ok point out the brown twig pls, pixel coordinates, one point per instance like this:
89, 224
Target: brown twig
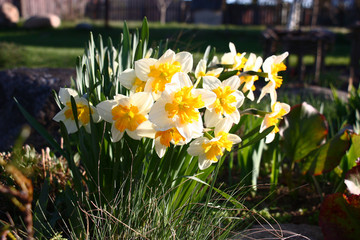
23, 198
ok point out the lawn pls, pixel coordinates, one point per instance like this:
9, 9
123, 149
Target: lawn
60, 47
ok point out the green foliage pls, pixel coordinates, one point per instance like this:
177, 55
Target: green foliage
304, 130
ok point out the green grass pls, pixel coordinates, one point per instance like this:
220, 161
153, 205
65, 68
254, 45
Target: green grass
60, 47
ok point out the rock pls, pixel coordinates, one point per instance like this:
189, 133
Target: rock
206, 16
9, 15
283, 231
43, 21
33, 90
84, 26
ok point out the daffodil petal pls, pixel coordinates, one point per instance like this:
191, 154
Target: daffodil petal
168, 56
116, 134
159, 148
281, 57
66, 93
143, 100
146, 129
270, 137
232, 48
227, 58
211, 118
200, 68
203, 163
127, 78
268, 88
223, 125
133, 134
186, 61
70, 126
239, 98
159, 116
195, 147
60, 116
233, 82
142, 68
234, 138
104, 109
210, 82
207, 96
181, 80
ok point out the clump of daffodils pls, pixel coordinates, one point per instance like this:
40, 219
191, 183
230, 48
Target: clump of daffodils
176, 103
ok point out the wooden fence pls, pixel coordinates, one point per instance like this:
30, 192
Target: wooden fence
181, 11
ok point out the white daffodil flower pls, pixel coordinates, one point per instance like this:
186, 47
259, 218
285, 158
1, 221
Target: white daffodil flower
157, 73
210, 150
126, 114
237, 60
228, 100
83, 107
201, 70
278, 110
272, 65
163, 138
252, 64
130, 81
178, 107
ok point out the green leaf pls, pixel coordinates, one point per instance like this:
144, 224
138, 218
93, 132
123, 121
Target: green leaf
74, 110
226, 75
304, 129
230, 198
139, 51
254, 111
40, 129
145, 33
257, 138
125, 46
329, 155
260, 74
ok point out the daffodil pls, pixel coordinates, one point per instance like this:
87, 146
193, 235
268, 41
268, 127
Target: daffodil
178, 107
228, 100
233, 58
252, 64
209, 150
126, 114
163, 138
83, 108
201, 70
157, 73
129, 80
272, 66
278, 110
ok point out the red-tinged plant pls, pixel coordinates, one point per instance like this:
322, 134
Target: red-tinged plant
340, 212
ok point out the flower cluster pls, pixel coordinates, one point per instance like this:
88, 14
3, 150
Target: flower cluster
171, 104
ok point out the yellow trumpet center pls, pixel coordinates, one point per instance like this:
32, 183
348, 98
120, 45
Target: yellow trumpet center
184, 106
168, 135
273, 121
127, 117
274, 72
224, 100
83, 112
162, 74
140, 85
213, 149
239, 65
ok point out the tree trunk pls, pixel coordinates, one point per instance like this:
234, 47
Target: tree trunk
315, 13
163, 15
